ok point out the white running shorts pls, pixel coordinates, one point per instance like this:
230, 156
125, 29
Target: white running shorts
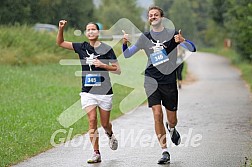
102, 101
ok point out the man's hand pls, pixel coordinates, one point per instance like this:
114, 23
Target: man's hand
179, 38
62, 23
125, 37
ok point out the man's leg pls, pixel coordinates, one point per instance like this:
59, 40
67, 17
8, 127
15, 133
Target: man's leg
154, 101
170, 101
172, 118
172, 122
159, 125
161, 134
179, 74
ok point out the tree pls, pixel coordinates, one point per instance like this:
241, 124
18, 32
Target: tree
235, 18
165, 5
110, 12
77, 12
238, 22
218, 11
12, 11
183, 20
201, 13
198, 17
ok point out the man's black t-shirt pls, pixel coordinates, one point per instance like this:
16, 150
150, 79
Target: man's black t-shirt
106, 55
164, 73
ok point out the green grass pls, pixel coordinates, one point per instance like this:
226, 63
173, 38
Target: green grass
32, 97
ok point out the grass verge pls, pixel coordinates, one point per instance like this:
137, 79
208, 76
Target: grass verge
32, 97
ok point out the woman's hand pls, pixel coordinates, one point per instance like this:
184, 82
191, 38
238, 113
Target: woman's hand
98, 63
62, 23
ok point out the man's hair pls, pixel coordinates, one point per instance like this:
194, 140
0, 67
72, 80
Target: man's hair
157, 8
94, 24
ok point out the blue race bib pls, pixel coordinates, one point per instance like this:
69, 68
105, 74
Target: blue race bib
93, 80
159, 57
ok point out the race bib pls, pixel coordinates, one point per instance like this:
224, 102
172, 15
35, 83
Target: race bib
159, 57
93, 80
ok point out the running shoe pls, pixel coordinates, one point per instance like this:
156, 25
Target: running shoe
96, 158
165, 158
175, 136
113, 143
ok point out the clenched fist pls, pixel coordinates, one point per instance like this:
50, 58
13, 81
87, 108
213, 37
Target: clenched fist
62, 23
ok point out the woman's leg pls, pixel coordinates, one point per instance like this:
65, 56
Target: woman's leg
93, 133
105, 116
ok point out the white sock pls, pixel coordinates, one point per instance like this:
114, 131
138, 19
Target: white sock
164, 150
171, 131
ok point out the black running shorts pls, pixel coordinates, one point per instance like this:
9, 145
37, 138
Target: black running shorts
162, 94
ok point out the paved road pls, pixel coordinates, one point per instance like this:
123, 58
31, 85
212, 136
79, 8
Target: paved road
214, 121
